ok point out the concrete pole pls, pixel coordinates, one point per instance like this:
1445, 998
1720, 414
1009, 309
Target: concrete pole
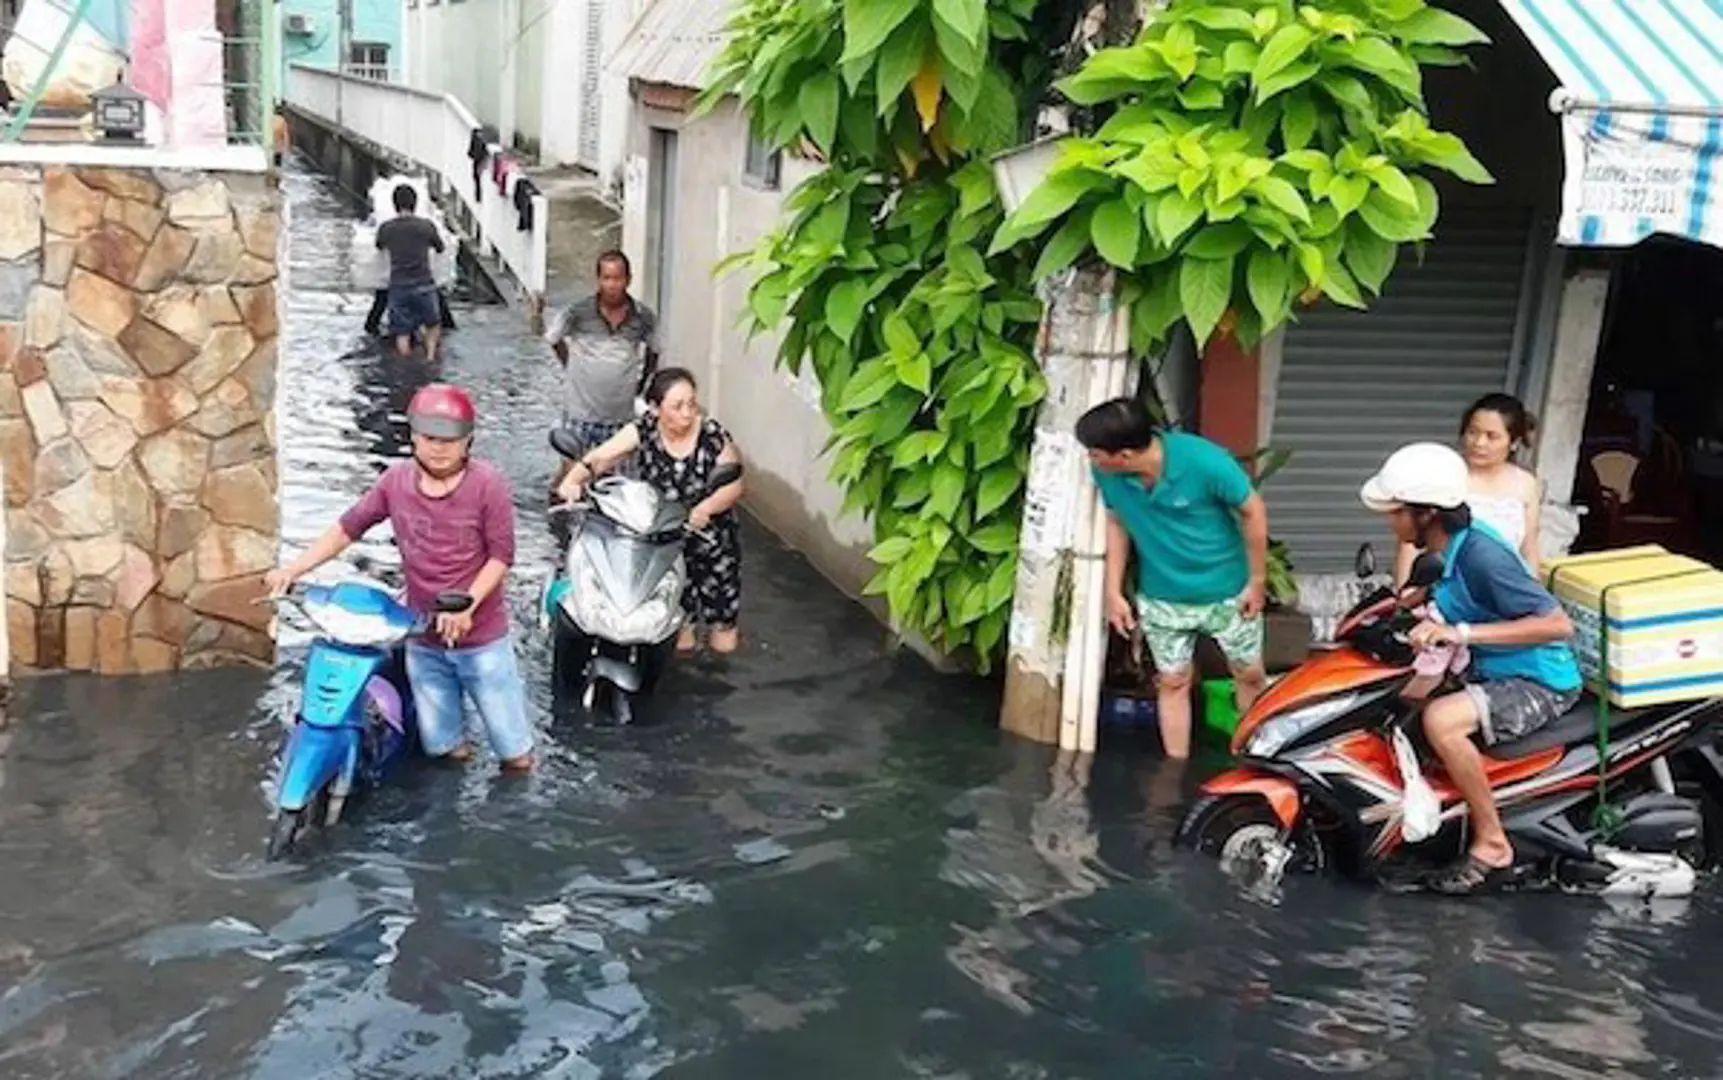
508, 11
1056, 644
1561, 420
344, 28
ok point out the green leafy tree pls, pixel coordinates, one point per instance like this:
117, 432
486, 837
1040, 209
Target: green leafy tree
1260, 154
921, 341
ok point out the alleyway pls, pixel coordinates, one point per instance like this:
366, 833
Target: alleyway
823, 861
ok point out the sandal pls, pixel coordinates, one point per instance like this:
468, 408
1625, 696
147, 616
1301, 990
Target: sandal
1470, 876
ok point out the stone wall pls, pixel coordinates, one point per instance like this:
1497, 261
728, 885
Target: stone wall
137, 378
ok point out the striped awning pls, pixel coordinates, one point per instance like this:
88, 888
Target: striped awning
1641, 102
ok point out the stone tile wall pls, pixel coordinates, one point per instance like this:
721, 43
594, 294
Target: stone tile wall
137, 375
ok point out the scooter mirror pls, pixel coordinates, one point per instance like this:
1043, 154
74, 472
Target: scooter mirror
725, 475
564, 442
450, 603
1365, 563
1426, 571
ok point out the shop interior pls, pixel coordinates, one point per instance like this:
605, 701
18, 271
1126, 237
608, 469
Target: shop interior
1651, 459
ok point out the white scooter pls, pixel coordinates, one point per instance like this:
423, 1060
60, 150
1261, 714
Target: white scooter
615, 607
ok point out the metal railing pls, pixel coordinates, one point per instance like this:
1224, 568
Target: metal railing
432, 131
374, 72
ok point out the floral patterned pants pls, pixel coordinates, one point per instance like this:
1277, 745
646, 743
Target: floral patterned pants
713, 598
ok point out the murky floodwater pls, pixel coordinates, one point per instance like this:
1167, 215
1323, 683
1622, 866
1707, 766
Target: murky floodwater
825, 862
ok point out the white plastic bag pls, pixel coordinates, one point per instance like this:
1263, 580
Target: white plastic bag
1420, 813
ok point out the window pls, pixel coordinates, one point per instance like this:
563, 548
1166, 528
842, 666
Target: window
368, 60
760, 166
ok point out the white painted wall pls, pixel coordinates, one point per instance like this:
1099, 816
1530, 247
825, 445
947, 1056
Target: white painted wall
774, 416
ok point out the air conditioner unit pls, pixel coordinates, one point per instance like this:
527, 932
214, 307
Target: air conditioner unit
298, 24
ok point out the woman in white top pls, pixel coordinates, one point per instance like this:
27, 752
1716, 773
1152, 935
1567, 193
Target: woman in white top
1503, 495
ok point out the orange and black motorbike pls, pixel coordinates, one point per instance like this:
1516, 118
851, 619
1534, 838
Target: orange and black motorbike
1317, 784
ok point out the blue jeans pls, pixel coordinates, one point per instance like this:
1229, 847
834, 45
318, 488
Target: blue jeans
488, 675
416, 309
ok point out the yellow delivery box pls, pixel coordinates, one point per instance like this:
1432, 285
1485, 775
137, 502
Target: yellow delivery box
1650, 621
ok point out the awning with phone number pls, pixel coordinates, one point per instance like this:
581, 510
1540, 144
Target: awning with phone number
1641, 102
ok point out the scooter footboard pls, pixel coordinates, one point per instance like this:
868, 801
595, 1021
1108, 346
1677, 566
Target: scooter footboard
314, 756
1280, 793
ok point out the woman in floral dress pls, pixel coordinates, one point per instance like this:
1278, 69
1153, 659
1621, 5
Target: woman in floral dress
679, 448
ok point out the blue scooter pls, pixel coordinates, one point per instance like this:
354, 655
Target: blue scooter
356, 722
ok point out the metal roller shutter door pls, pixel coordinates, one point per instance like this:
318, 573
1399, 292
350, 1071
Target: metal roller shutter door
1355, 385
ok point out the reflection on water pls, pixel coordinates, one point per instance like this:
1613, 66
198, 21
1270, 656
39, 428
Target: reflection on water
821, 861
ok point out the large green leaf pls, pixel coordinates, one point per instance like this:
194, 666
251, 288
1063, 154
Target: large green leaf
1370, 257
1447, 152
946, 490
818, 99
1285, 47
1205, 290
1064, 247
844, 306
1219, 241
867, 23
1052, 197
1174, 215
1269, 279
1338, 285
1298, 121
967, 17
899, 60
1220, 17
891, 550
1116, 230
870, 383
997, 486
916, 372
1387, 63
1433, 26
991, 123
1283, 196
996, 539
1394, 184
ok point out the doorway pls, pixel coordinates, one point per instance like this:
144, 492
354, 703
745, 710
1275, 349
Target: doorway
1651, 458
661, 222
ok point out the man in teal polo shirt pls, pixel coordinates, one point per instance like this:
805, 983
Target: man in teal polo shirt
1201, 535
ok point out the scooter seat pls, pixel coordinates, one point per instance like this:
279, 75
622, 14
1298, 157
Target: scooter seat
1579, 724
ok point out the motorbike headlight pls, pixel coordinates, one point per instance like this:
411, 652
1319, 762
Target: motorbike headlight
1267, 740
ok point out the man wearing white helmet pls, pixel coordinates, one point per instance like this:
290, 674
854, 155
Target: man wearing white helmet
1523, 673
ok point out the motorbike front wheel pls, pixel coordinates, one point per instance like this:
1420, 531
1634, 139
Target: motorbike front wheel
1238, 829
285, 832
608, 702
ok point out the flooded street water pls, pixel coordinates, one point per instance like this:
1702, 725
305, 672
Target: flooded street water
823, 861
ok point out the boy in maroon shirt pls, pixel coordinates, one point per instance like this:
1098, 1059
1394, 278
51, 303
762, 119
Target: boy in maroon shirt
453, 519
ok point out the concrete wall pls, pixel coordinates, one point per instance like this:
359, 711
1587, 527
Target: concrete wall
455, 47
137, 377
374, 21
774, 416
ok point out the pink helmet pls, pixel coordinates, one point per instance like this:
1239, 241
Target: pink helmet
442, 411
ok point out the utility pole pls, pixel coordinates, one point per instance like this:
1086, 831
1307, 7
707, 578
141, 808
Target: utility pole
343, 40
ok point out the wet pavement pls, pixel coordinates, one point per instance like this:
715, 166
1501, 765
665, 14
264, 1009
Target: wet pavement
822, 860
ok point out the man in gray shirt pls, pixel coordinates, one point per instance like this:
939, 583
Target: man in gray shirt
607, 344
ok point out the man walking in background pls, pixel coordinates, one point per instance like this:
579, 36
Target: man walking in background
607, 344
413, 304
1200, 531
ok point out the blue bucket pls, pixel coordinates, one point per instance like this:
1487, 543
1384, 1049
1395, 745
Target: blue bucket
1127, 711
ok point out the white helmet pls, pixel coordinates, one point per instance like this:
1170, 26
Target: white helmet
1425, 474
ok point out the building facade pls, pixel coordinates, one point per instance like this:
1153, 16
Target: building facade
369, 45
544, 86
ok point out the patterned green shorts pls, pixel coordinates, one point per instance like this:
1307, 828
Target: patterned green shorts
1171, 630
